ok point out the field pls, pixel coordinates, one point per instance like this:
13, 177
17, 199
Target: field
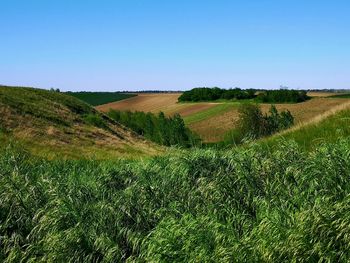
65, 197
212, 121
99, 98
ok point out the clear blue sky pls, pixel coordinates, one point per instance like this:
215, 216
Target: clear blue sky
160, 44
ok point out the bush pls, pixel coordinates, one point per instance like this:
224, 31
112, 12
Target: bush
253, 124
95, 120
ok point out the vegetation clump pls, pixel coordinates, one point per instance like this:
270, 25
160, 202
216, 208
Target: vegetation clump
163, 130
253, 124
95, 120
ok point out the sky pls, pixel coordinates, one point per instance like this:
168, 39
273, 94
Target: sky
106, 45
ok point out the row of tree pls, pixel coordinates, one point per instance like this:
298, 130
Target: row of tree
160, 129
266, 96
211, 94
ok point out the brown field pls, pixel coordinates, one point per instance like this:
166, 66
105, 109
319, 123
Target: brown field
321, 94
156, 102
153, 102
213, 129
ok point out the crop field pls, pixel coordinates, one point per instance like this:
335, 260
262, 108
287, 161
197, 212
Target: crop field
99, 98
212, 120
214, 128
321, 94
156, 102
143, 102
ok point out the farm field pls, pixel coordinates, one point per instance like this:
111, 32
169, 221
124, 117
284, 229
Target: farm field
212, 120
322, 94
214, 128
156, 102
99, 98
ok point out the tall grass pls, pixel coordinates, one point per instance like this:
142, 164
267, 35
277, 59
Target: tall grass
244, 205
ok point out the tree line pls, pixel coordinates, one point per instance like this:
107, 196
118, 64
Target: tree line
282, 96
211, 94
265, 96
168, 131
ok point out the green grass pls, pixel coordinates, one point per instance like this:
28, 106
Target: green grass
77, 129
205, 114
99, 98
309, 136
244, 205
340, 96
43, 104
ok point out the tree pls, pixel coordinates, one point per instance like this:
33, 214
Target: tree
253, 124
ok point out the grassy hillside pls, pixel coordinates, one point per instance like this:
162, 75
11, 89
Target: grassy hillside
99, 98
328, 127
245, 205
53, 124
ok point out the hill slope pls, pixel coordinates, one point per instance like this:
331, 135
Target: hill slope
57, 125
327, 127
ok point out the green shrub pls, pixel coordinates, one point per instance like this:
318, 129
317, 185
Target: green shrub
253, 124
95, 120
